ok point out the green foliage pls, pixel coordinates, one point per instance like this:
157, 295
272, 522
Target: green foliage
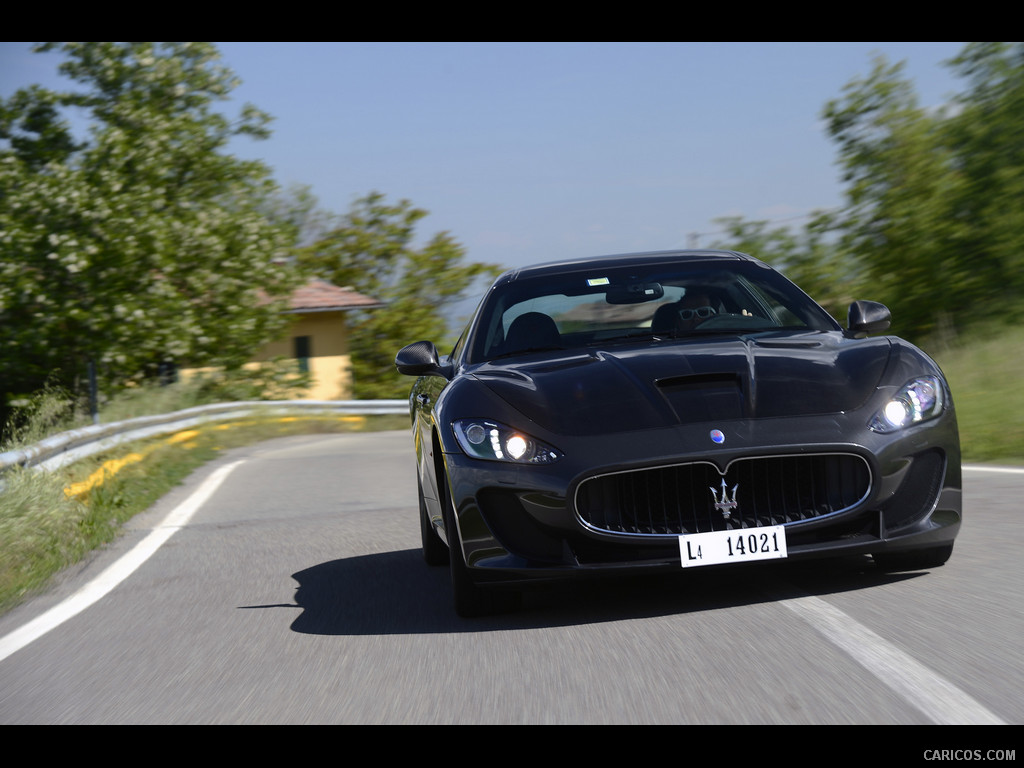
44, 413
277, 379
935, 200
985, 136
297, 210
372, 251
810, 257
367, 248
901, 222
144, 243
40, 532
53, 410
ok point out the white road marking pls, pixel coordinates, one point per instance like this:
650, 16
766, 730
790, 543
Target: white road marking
941, 701
1005, 470
117, 572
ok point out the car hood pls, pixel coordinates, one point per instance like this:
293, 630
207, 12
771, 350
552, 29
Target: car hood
630, 387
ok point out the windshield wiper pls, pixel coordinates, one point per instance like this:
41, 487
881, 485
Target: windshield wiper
630, 337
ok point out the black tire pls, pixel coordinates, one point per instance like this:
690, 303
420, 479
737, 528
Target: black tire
434, 550
917, 560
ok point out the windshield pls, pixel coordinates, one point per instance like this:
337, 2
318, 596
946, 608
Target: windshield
580, 309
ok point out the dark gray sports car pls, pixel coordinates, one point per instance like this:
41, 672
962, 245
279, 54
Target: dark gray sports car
672, 410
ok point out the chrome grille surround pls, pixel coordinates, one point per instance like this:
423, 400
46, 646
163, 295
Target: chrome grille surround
681, 498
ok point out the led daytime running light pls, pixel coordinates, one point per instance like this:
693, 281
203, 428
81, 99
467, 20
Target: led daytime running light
492, 441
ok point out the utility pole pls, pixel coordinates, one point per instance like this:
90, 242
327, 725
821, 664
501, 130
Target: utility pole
93, 397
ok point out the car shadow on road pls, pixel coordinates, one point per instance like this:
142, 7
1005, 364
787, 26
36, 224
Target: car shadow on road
396, 593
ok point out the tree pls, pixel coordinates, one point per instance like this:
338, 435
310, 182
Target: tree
936, 198
143, 243
811, 257
298, 210
986, 139
898, 222
372, 251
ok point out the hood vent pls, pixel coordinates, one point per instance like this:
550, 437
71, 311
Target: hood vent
705, 397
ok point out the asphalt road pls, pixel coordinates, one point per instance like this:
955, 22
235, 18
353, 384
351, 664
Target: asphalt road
296, 594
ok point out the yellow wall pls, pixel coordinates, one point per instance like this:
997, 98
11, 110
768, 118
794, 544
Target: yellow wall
329, 363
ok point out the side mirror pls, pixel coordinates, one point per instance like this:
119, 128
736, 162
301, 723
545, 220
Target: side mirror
418, 359
866, 317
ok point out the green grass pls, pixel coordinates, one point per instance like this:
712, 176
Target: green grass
986, 373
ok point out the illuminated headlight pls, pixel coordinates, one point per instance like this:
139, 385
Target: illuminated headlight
919, 400
482, 439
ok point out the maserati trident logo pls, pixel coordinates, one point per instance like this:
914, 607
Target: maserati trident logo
724, 504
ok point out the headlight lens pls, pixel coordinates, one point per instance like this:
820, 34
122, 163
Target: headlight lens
918, 400
493, 441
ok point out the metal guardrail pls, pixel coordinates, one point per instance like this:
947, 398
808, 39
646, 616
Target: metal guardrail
67, 447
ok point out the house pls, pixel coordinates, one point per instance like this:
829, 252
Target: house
319, 337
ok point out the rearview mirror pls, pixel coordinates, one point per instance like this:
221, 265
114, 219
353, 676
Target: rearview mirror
634, 293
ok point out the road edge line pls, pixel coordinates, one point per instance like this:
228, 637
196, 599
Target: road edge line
118, 571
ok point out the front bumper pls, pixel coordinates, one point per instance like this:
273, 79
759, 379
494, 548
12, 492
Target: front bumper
522, 523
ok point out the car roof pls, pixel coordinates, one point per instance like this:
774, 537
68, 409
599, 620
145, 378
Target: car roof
648, 258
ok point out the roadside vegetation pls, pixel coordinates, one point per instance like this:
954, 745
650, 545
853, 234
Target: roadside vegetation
51, 520
985, 371
134, 241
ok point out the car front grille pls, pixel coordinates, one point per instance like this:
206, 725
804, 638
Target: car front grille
696, 497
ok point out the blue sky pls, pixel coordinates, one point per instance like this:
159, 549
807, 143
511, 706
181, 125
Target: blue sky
528, 152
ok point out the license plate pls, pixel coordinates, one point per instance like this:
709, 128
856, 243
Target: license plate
739, 546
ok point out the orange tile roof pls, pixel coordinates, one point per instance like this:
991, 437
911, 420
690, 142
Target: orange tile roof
322, 296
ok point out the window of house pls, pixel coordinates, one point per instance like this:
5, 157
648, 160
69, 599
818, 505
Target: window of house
303, 347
